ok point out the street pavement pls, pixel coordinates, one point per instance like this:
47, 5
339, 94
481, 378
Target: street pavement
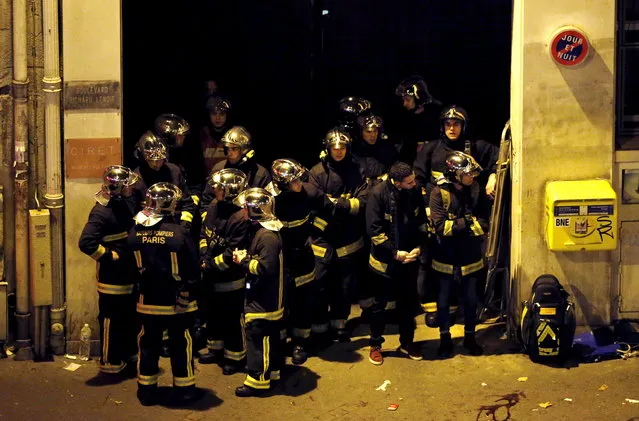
340, 384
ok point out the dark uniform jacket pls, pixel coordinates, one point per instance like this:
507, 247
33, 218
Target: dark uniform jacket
166, 259
169, 173
224, 229
431, 161
265, 276
107, 230
338, 224
395, 220
417, 129
374, 160
256, 176
190, 159
460, 218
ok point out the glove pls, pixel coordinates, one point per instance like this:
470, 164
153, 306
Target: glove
187, 225
182, 302
470, 219
343, 203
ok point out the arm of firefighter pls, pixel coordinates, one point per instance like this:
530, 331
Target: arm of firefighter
488, 156
422, 218
203, 246
266, 259
482, 214
444, 225
188, 268
422, 165
91, 237
352, 205
207, 197
236, 239
187, 205
378, 221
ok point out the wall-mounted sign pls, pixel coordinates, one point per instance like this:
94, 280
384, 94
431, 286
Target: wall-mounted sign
569, 46
81, 95
87, 158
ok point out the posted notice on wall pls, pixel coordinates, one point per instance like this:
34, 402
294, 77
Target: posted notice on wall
87, 158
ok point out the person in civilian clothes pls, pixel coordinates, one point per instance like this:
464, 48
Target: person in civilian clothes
104, 240
218, 122
264, 303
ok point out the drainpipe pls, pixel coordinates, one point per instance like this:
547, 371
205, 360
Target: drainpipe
53, 197
21, 167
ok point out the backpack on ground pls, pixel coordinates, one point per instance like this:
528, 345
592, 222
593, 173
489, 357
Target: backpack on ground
547, 321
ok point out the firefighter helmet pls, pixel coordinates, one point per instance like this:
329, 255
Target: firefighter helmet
370, 122
416, 87
116, 178
259, 204
218, 104
285, 171
162, 199
458, 164
237, 136
230, 180
454, 112
169, 126
352, 107
150, 147
337, 138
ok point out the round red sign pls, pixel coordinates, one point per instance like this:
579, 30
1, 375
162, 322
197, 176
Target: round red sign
569, 47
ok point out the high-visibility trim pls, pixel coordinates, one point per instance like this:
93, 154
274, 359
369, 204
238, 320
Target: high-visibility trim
448, 227
189, 359
203, 243
301, 333
271, 315
195, 199
305, 279
376, 264
186, 216
115, 237
452, 309
183, 381
163, 310
147, 380
473, 267
436, 174
115, 289
338, 324
203, 215
445, 199
319, 328
297, 223
388, 217
165, 335
320, 223
350, 248
140, 334
391, 305
257, 384
276, 375
318, 251
106, 326
214, 345
354, 206
429, 307
112, 369
379, 239
442, 267
416, 211
253, 264
98, 253
235, 356
229, 286
219, 262
138, 258
207, 231
547, 311
475, 228
175, 270
266, 352
280, 298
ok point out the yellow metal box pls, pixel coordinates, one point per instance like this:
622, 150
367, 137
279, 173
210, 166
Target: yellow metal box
581, 215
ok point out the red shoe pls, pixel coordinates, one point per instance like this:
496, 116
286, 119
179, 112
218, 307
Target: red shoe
375, 356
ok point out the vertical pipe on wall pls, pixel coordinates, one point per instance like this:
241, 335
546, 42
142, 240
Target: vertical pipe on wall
53, 197
21, 164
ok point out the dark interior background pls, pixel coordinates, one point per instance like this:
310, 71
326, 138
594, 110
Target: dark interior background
285, 64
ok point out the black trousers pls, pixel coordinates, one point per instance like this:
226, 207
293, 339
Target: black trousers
451, 287
401, 288
119, 327
264, 356
180, 343
225, 323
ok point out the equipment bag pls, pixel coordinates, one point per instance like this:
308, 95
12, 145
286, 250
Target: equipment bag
547, 321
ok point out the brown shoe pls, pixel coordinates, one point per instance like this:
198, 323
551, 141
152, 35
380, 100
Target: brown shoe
375, 356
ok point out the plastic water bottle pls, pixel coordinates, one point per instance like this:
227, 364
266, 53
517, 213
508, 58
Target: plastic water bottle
85, 342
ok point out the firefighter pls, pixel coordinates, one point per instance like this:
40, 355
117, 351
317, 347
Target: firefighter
264, 303
166, 259
337, 235
295, 199
396, 224
218, 122
104, 239
225, 229
460, 211
240, 155
419, 123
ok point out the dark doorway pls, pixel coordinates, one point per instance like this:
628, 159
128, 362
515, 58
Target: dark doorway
286, 64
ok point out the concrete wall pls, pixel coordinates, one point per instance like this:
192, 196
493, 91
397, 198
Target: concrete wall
563, 128
91, 52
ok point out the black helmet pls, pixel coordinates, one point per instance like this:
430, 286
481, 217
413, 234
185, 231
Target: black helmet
150, 147
169, 126
218, 104
352, 107
458, 163
414, 86
454, 113
230, 180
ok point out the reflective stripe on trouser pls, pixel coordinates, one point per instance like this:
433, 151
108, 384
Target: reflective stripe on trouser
118, 329
264, 354
181, 348
225, 324
449, 288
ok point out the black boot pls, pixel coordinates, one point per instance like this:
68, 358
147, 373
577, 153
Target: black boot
471, 344
212, 357
446, 346
343, 336
245, 391
181, 396
147, 395
299, 354
231, 367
